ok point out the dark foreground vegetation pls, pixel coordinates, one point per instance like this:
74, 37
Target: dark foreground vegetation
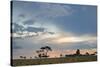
67, 59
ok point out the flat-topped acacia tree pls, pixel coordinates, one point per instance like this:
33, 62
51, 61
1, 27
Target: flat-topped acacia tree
43, 52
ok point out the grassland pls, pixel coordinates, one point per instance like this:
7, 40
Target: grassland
22, 62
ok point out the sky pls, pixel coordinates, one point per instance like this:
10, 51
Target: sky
63, 27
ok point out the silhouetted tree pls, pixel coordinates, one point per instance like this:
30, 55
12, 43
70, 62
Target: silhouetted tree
30, 57
95, 53
43, 51
39, 55
87, 53
35, 57
24, 57
21, 57
61, 55
77, 52
46, 48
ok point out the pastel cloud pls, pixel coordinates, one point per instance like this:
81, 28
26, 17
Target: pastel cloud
58, 38
75, 39
67, 38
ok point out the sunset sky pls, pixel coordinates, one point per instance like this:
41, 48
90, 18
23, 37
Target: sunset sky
63, 27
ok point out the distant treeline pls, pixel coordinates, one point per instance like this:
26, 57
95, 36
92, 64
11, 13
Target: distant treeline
43, 53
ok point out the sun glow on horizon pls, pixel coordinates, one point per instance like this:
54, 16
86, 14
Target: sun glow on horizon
74, 39
68, 40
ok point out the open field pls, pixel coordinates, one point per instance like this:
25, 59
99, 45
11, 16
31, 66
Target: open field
22, 62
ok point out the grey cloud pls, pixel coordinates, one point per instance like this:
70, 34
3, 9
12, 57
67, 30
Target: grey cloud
34, 29
51, 33
28, 22
17, 27
22, 16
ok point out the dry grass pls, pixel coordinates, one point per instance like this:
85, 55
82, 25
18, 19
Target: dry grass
22, 62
